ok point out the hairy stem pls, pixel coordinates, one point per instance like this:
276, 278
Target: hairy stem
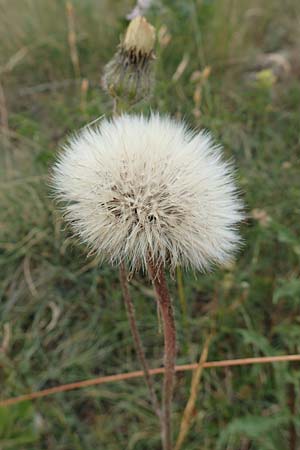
157, 275
137, 339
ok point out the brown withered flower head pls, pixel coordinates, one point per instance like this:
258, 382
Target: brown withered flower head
129, 75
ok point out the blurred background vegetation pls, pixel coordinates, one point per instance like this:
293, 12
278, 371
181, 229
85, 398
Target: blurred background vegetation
232, 66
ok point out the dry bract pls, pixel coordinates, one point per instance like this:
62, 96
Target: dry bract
140, 36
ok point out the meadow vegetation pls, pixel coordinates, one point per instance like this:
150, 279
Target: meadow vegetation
62, 317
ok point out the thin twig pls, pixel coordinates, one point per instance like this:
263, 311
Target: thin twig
137, 339
157, 275
140, 373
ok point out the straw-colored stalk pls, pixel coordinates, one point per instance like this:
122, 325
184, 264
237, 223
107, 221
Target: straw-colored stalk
190, 406
72, 38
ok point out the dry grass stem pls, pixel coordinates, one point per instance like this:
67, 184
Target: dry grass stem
139, 373
3, 110
84, 90
28, 277
181, 68
72, 38
14, 60
4, 347
190, 406
4, 127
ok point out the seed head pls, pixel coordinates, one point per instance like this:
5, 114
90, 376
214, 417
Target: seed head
136, 186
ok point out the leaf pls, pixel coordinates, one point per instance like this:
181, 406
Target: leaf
257, 340
17, 426
288, 289
253, 427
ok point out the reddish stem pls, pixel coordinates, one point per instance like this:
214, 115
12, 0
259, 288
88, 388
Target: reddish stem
137, 339
157, 275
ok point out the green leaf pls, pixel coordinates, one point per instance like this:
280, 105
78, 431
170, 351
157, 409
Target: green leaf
252, 427
289, 289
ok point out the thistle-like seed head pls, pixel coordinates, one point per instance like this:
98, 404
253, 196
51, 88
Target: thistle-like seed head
135, 186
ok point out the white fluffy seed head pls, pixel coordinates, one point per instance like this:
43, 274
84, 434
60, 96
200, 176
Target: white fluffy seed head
136, 187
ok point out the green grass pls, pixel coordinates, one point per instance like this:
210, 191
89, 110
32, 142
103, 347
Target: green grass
65, 314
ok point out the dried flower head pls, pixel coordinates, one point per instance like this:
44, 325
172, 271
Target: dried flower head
129, 75
139, 37
137, 186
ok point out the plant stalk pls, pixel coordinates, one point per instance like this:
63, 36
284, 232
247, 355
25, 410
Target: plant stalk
137, 339
157, 275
